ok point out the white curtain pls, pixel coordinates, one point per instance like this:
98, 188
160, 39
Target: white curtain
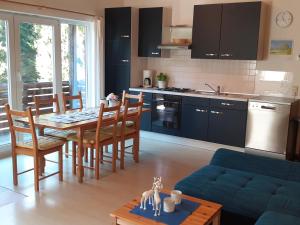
96, 64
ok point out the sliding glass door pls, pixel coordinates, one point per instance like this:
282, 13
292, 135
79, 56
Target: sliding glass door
36, 60
74, 68
4, 85
41, 56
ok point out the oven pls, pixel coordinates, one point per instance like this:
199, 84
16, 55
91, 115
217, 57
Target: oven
166, 113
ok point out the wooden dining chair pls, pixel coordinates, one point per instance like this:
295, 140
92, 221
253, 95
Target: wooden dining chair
42, 102
95, 140
36, 146
132, 113
68, 99
127, 96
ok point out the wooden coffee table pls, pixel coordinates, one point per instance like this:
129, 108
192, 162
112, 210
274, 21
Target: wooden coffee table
207, 213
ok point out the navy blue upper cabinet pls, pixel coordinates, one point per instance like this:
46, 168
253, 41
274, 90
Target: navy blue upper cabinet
118, 23
228, 31
150, 31
240, 31
194, 122
206, 31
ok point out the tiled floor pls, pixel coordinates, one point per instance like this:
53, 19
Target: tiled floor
90, 203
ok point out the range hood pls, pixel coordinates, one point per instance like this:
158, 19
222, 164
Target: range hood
178, 37
175, 46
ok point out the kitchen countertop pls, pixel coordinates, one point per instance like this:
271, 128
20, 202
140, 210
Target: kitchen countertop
224, 96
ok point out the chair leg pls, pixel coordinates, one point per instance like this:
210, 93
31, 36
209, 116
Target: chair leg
60, 163
86, 157
122, 159
15, 168
36, 173
97, 166
74, 158
114, 156
67, 149
106, 148
136, 147
91, 157
101, 154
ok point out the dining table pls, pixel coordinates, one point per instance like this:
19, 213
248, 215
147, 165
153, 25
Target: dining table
60, 122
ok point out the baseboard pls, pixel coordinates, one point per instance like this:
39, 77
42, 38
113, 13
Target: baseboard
187, 142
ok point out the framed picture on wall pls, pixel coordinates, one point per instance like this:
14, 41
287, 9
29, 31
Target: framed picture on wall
281, 47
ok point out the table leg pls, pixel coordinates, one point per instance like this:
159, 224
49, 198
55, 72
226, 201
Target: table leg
80, 154
42, 160
217, 219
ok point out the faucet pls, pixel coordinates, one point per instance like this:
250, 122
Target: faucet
217, 91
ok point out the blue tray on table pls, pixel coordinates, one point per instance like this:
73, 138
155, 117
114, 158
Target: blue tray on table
182, 211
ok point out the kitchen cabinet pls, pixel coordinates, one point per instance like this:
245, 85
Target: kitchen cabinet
240, 31
214, 120
227, 122
206, 31
150, 31
153, 31
146, 117
194, 122
117, 49
228, 31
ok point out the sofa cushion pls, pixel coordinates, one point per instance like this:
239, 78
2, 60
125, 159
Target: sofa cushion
241, 192
282, 169
275, 218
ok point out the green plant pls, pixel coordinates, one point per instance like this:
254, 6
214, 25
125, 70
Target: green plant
162, 77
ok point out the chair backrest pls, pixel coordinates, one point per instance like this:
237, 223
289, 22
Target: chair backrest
132, 113
41, 101
14, 126
107, 120
67, 99
127, 96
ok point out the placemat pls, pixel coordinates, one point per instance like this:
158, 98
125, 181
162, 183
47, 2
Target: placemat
182, 211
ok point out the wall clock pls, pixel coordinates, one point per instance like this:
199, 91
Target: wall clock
284, 19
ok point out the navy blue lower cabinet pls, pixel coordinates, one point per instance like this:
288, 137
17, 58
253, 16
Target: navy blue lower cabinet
227, 127
146, 116
194, 122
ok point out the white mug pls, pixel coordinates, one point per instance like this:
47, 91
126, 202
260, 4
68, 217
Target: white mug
104, 101
169, 205
176, 196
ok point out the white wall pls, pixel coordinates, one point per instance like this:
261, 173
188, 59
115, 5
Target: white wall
183, 14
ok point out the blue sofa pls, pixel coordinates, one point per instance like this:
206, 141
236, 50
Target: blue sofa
252, 189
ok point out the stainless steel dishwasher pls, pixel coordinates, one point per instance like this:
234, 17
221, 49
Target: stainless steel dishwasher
267, 125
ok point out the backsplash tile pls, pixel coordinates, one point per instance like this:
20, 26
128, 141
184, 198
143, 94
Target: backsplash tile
238, 76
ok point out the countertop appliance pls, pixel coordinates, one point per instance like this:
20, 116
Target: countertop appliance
166, 113
268, 124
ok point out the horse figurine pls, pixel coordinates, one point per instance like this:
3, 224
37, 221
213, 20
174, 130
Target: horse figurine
156, 198
148, 195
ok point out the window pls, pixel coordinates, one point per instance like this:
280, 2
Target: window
74, 68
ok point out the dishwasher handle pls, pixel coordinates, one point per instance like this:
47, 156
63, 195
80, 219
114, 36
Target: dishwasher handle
268, 107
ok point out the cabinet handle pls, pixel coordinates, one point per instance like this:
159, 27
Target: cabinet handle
154, 53
226, 104
226, 55
125, 36
216, 112
124, 60
201, 110
211, 54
